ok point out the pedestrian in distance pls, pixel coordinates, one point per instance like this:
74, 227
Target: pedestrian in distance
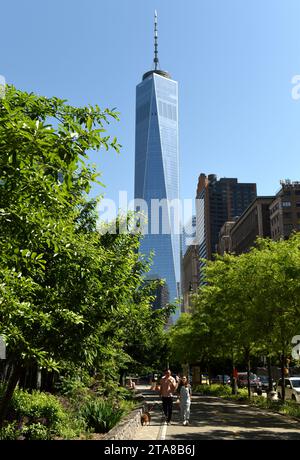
185, 400
167, 390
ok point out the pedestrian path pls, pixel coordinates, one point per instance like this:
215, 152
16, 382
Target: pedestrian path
215, 418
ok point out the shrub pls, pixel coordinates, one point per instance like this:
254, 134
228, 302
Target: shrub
70, 386
101, 415
242, 395
40, 416
213, 390
291, 408
39, 407
36, 431
9, 432
124, 393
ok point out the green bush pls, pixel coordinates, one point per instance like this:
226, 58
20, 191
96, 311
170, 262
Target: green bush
40, 416
39, 407
9, 432
291, 408
223, 391
124, 393
70, 386
242, 395
36, 431
101, 415
213, 390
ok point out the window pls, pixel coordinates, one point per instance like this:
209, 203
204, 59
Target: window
167, 110
286, 204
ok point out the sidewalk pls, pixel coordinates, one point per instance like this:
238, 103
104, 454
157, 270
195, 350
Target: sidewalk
216, 418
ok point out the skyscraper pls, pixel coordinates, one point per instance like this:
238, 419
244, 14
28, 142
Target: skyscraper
157, 169
218, 201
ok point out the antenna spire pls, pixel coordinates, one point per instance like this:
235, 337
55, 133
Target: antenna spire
155, 60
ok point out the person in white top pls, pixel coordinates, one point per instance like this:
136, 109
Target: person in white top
185, 400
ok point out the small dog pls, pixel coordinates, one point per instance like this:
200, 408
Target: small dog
145, 418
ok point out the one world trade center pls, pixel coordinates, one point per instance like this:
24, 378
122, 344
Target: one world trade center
157, 172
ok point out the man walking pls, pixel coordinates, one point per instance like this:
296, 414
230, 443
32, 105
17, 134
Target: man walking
167, 388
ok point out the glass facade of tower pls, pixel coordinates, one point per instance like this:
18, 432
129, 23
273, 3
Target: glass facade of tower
157, 174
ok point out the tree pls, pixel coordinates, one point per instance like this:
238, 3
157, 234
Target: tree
250, 303
67, 292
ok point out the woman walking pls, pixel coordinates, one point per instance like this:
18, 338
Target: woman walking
185, 400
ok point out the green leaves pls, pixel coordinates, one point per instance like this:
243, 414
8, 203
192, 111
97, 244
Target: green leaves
250, 303
70, 298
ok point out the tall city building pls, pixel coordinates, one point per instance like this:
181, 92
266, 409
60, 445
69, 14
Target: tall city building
157, 171
285, 210
218, 201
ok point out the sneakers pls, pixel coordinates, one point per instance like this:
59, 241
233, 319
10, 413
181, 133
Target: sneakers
186, 422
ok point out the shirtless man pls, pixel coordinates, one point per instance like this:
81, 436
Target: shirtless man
167, 389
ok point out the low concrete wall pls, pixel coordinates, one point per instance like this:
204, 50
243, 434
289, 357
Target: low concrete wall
127, 427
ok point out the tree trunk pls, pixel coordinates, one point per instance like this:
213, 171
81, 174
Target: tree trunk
248, 375
9, 391
209, 373
122, 378
234, 387
282, 377
269, 373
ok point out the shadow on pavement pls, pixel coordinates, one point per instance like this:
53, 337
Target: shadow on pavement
213, 418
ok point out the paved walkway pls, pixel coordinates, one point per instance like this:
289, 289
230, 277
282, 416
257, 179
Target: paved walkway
215, 418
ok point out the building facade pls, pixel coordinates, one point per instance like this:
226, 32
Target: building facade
188, 234
157, 174
218, 201
285, 210
253, 223
190, 275
224, 244
273, 217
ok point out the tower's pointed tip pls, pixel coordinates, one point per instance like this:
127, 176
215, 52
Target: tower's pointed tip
155, 60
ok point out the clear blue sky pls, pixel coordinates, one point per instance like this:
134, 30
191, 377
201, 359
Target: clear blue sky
234, 61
